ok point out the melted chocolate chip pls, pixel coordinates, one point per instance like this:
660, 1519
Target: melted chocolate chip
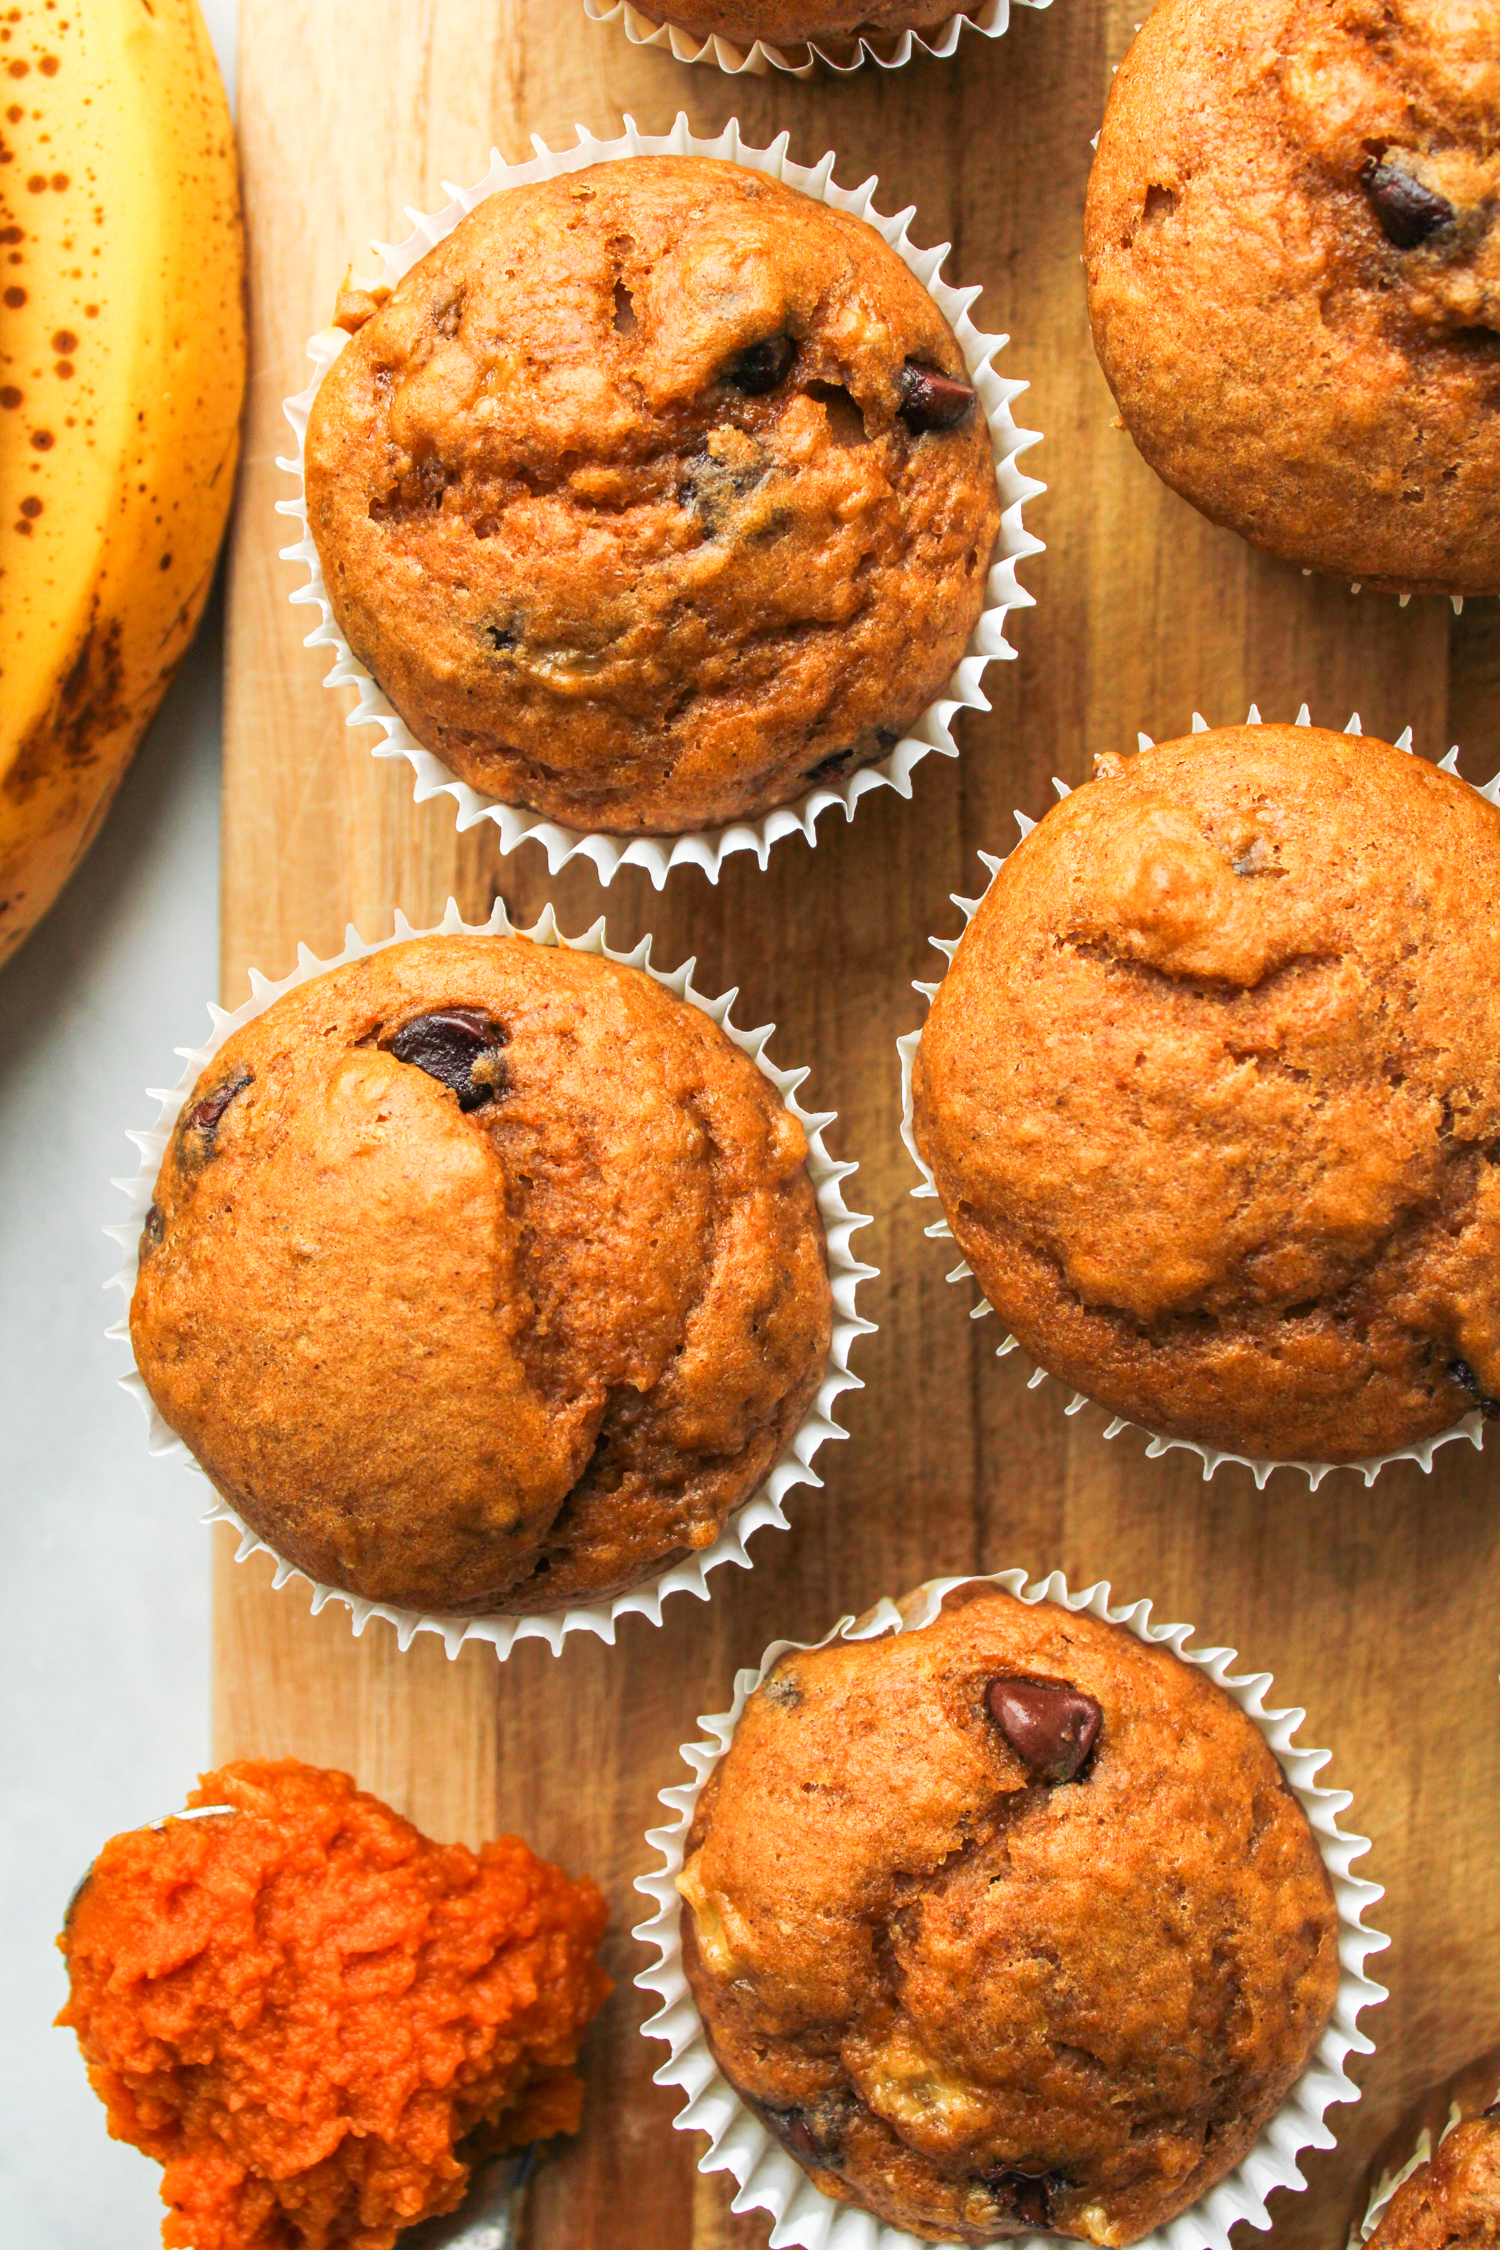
1051, 1726
154, 1229
931, 400
713, 487
1492, 2111
814, 2133
460, 1047
1464, 1374
826, 768
760, 367
1407, 211
206, 1114
1027, 2194
797, 2134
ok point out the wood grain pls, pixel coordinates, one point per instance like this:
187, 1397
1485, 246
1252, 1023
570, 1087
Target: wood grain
1371, 1608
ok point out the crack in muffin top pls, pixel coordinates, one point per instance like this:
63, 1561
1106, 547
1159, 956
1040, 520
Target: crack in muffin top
1211, 1093
634, 498
483, 1275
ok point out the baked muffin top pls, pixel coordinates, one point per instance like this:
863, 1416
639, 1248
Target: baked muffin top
483, 1275
1211, 1093
654, 495
1451, 2201
1008, 1923
1294, 278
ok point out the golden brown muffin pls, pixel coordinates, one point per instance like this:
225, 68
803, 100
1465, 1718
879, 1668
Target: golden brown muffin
1008, 1923
1211, 1093
654, 495
1294, 276
788, 22
483, 1275
1448, 2150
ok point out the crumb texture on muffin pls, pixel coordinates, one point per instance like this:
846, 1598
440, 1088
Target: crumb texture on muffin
1294, 276
483, 1275
976, 1998
1211, 1093
1435, 2180
637, 499
1453, 2201
317, 2020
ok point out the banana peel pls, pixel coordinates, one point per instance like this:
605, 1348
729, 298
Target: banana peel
122, 374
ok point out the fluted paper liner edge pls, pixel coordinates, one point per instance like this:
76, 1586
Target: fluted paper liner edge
735, 58
1213, 1457
932, 731
770, 2180
845, 1273
1423, 2146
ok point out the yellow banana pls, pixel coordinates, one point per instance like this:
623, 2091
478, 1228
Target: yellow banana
122, 370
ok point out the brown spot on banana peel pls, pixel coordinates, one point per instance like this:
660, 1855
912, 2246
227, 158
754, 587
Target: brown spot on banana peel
87, 709
61, 767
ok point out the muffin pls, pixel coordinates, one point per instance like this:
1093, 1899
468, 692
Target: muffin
1008, 1923
1211, 1093
1294, 281
789, 22
483, 1276
1435, 2185
653, 495
315, 2019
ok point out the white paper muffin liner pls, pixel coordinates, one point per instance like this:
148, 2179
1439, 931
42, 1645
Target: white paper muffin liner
1424, 2148
709, 848
800, 61
845, 1273
1471, 1426
771, 2180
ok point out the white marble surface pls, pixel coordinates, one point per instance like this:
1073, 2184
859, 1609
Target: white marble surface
103, 1559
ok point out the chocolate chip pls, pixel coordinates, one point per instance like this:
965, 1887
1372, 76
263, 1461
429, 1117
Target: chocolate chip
760, 367
501, 636
931, 400
1051, 1726
460, 1047
794, 2128
154, 1229
1407, 211
799, 2135
1492, 2111
206, 1114
825, 768
1028, 2194
1464, 1374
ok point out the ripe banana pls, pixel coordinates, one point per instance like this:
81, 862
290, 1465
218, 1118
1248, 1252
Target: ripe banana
122, 370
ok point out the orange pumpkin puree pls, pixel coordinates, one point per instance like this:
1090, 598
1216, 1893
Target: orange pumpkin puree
302, 2009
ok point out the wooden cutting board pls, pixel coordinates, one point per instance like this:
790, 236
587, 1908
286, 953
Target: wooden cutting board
1374, 1609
